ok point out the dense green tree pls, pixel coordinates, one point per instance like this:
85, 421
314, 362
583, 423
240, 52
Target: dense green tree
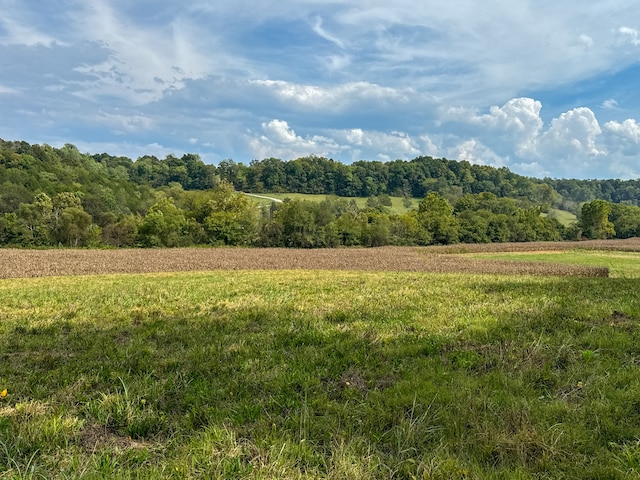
349, 228
406, 229
594, 220
73, 227
298, 225
163, 226
229, 218
625, 220
123, 232
36, 219
435, 214
12, 231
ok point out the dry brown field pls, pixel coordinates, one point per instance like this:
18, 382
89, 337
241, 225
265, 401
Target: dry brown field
623, 245
17, 263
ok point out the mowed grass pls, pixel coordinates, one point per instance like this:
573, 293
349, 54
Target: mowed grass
397, 202
620, 264
564, 217
319, 374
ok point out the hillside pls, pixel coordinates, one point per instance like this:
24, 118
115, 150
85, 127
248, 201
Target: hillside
51, 196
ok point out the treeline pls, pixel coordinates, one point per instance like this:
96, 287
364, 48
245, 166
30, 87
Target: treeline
222, 216
51, 196
26, 170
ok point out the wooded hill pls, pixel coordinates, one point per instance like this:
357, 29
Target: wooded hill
51, 196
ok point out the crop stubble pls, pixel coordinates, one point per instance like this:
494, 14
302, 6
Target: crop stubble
16, 263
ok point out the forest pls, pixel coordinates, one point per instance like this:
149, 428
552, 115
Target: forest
62, 197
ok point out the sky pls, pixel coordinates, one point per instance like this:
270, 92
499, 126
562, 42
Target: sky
544, 88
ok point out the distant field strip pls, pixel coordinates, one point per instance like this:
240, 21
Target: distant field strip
15, 263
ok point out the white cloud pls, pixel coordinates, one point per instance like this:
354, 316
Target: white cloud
122, 123
142, 63
125, 149
7, 90
610, 104
336, 98
19, 29
518, 122
358, 81
531, 169
280, 140
572, 133
319, 30
572, 145
586, 40
474, 151
380, 145
631, 34
623, 137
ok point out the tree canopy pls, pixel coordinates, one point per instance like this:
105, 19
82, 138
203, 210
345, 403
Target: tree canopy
60, 196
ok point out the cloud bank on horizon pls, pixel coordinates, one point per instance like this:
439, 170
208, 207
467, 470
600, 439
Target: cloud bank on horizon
543, 88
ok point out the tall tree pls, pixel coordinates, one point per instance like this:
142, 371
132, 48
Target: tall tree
436, 216
594, 220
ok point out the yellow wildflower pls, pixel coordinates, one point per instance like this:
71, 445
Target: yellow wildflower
3, 393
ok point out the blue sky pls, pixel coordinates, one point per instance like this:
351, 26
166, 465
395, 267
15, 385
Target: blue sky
542, 87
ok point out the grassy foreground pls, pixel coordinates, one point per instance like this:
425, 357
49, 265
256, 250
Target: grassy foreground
319, 374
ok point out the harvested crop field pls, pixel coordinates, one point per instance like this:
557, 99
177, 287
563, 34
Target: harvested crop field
15, 263
622, 245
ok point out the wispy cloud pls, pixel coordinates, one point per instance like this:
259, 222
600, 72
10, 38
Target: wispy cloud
538, 88
142, 63
7, 90
631, 34
610, 104
317, 27
17, 27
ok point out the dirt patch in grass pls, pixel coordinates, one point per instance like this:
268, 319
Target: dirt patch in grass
16, 263
96, 437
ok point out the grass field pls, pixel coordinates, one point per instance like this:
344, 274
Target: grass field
397, 202
620, 264
564, 217
311, 373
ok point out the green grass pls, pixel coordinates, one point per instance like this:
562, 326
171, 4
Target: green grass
564, 217
315, 374
397, 202
620, 264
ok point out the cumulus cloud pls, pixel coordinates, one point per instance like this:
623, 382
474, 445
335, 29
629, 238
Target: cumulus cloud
517, 122
380, 145
572, 145
573, 133
474, 151
356, 83
280, 140
623, 137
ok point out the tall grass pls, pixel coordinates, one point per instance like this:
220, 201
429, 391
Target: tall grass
319, 374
